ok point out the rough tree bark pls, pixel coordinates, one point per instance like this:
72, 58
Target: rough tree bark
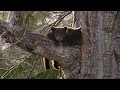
100, 49
97, 58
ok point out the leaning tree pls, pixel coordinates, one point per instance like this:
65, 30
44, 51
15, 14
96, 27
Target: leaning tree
97, 58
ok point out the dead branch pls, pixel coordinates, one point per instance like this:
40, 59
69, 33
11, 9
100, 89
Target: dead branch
68, 57
56, 23
33, 66
11, 69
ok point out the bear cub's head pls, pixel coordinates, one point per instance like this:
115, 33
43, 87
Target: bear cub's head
59, 33
65, 36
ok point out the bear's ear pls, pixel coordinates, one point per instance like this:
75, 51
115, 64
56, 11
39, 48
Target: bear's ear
53, 29
65, 28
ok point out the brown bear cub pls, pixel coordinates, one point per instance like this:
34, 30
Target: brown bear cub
65, 36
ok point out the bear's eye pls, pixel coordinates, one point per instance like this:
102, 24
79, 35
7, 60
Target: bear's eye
65, 28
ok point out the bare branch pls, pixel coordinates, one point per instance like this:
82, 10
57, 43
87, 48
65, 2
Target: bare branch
61, 18
20, 38
16, 18
33, 66
34, 13
8, 17
56, 23
15, 58
11, 69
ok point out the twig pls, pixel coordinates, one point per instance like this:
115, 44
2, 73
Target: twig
28, 64
3, 69
8, 17
61, 18
13, 58
20, 38
11, 69
35, 62
56, 23
34, 13
51, 19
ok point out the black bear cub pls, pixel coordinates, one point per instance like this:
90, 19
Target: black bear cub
57, 35
65, 36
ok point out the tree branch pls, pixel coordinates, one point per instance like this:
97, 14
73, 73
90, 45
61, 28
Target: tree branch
11, 69
57, 22
33, 66
16, 18
68, 57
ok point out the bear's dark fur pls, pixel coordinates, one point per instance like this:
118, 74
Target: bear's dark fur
57, 35
74, 36
66, 36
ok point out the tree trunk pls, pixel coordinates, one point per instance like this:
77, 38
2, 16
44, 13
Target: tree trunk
97, 58
100, 49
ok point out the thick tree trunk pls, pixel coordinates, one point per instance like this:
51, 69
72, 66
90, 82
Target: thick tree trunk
100, 49
97, 58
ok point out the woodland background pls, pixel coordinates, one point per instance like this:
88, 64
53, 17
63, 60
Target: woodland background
16, 63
